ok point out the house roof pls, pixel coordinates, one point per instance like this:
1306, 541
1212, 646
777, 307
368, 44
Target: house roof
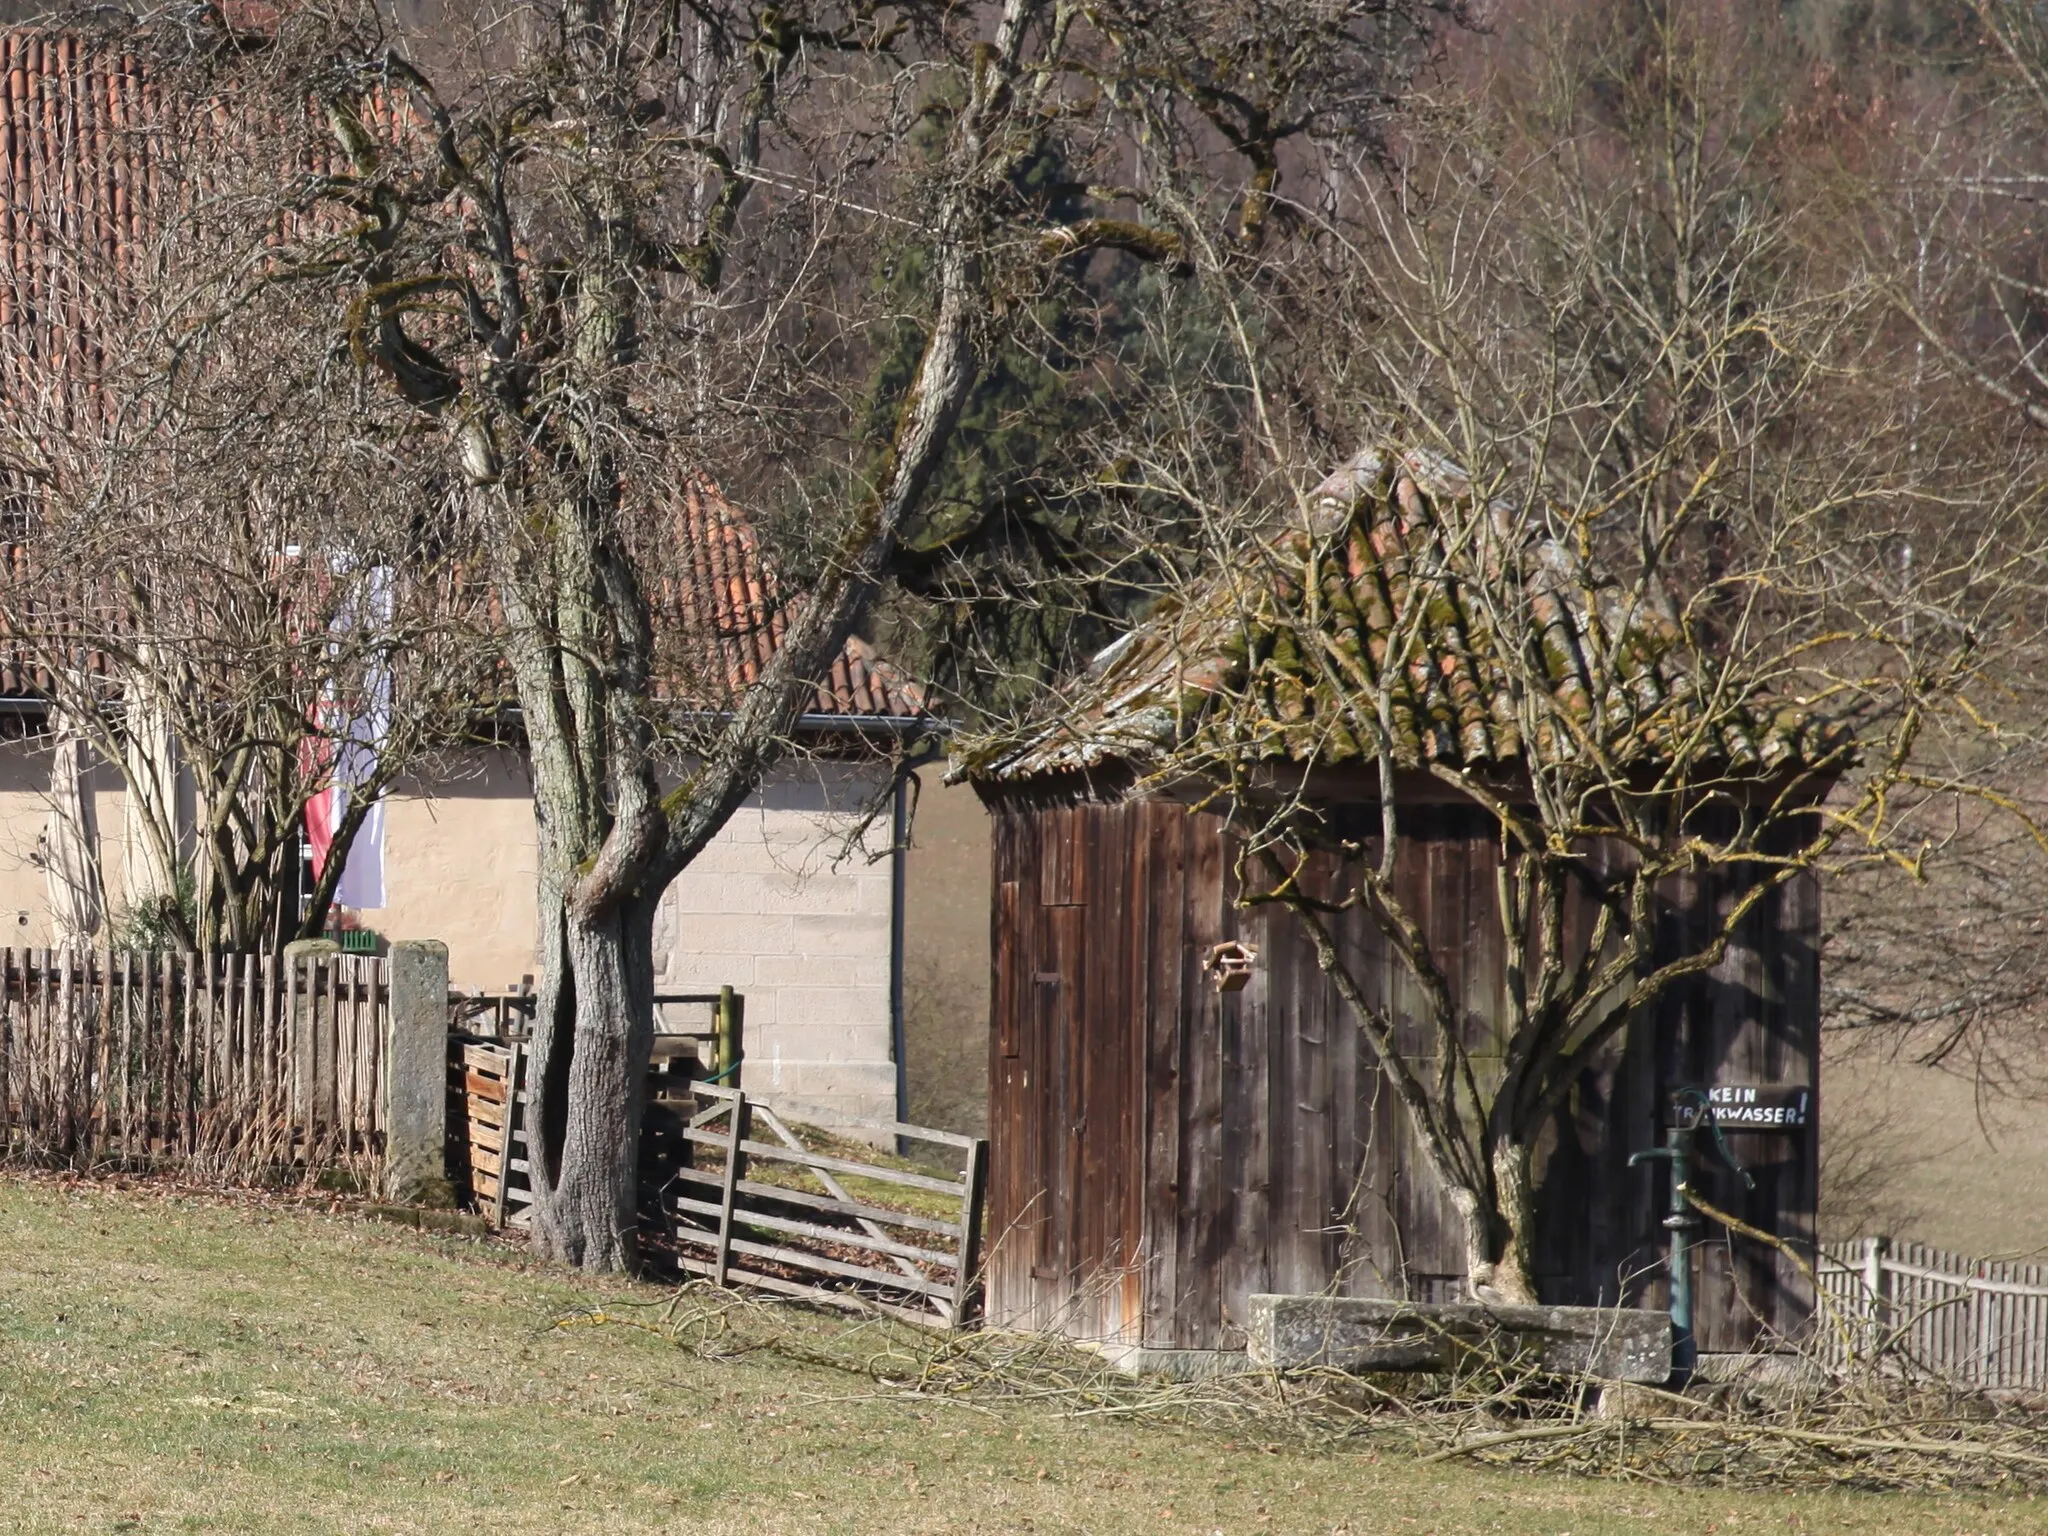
1396, 578
724, 602
77, 168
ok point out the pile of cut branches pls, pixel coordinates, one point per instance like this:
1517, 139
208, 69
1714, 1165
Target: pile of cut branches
1789, 1423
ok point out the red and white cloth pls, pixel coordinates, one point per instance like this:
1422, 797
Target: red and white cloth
343, 752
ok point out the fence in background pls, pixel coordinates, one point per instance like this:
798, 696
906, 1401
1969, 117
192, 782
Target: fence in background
489, 1034
1974, 1323
235, 1063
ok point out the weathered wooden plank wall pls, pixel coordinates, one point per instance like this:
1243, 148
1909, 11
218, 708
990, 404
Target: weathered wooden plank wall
1160, 1151
1753, 1019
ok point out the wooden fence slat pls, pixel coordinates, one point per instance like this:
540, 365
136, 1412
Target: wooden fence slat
344, 990
840, 1236
968, 1260
800, 1258
103, 1109
188, 1055
327, 1048
512, 1065
8, 1102
851, 1302
8, 1111
769, 1153
883, 1214
46, 1052
127, 1006
735, 1166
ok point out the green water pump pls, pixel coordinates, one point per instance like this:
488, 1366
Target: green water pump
1693, 1112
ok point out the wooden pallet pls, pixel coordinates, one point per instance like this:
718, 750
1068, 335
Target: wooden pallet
487, 1079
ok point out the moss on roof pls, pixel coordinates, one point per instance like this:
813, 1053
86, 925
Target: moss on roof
1471, 625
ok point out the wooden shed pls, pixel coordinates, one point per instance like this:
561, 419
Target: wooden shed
1162, 1148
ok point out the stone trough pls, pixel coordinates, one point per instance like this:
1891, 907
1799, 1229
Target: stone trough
1349, 1333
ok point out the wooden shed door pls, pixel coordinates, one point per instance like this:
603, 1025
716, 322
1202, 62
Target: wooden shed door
1063, 1112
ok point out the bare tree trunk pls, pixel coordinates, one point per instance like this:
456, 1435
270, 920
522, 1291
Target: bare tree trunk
1500, 1227
1508, 1276
593, 1035
579, 643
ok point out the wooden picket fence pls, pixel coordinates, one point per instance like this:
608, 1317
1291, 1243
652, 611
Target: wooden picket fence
236, 1065
1973, 1323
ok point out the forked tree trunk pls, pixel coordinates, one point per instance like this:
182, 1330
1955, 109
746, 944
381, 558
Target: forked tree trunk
1500, 1230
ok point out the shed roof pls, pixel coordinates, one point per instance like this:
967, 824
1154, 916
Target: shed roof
1396, 577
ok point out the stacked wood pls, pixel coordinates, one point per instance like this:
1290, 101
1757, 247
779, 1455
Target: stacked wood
488, 1080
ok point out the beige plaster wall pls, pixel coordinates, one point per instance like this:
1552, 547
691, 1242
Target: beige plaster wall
460, 864
778, 907
24, 812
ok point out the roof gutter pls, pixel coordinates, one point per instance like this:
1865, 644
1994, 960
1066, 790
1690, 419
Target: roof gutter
887, 725
810, 723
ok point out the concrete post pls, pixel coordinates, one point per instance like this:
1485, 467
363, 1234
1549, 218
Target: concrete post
416, 1076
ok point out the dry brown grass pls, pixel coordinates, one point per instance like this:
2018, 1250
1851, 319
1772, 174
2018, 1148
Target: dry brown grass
174, 1362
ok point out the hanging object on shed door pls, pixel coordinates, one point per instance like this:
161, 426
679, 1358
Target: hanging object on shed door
1230, 964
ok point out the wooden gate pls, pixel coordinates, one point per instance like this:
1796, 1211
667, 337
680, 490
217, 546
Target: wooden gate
731, 1191
756, 1206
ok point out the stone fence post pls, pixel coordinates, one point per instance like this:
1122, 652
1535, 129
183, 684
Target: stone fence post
416, 1076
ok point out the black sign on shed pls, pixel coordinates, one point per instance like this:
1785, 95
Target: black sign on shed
1745, 1107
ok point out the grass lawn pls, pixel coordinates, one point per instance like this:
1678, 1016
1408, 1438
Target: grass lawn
175, 1363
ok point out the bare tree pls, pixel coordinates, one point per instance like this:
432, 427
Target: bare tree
212, 576
603, 249
1948, 972
1617, 568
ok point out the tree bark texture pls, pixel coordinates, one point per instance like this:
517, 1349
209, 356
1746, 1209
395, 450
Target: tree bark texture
592, 1039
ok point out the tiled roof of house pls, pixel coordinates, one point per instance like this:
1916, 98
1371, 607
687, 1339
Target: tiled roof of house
1284, 657
77, 167
723, 602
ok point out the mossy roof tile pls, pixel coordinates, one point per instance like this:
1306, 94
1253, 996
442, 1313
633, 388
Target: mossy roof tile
1283, 657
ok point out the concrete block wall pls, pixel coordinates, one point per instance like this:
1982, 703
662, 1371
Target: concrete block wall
783, 908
